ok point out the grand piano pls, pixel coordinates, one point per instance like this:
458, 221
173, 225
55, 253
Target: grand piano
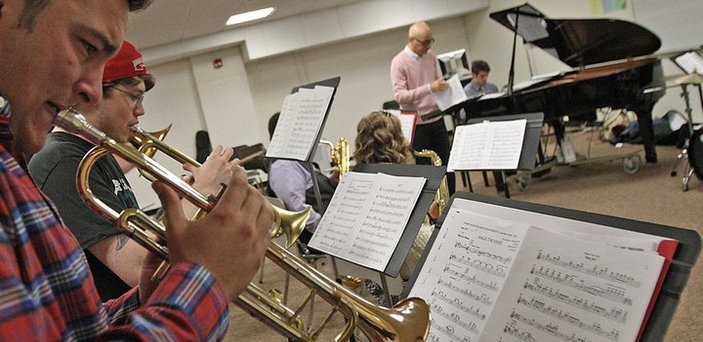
610, 69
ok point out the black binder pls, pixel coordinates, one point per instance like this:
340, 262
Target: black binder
675, 281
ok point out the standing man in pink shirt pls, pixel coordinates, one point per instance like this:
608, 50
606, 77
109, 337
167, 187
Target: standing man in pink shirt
415, 76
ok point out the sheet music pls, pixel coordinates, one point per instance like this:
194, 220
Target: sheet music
690, 62
495, 145
572, 290
488, 279
465, 272
534, 80
455, 94
407, 122
492, 95
366, 217
299, 123
621, 238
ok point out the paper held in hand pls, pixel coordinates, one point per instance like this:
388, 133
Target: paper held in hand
452, 96
366, 217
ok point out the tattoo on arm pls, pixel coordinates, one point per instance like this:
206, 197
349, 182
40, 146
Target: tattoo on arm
121, 241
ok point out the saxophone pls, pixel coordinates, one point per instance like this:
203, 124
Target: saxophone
442, 196
339, 154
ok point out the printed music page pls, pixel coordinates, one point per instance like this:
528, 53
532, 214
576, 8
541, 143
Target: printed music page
465, 271
299, 123
366, 217
488, 279
454, 95
407, 122
407, 125
573, 290
489, 145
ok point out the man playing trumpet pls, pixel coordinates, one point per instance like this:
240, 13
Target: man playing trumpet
53, 55
114, 258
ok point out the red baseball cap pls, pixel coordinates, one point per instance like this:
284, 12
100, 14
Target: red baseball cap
127, 63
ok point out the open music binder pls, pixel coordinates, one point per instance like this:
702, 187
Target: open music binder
494, 143
302, 120
432, 176
550, 273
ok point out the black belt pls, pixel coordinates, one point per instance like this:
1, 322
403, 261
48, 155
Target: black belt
431, 115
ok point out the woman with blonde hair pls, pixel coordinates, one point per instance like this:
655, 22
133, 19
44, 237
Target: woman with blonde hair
380, 139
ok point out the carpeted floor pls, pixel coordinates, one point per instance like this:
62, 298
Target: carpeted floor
651, 194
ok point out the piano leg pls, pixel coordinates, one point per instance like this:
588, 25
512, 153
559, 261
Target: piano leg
644, 119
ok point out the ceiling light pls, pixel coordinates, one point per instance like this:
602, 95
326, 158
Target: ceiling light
249, 16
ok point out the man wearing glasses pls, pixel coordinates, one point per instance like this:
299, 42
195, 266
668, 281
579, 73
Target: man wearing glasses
415, 76
114, 259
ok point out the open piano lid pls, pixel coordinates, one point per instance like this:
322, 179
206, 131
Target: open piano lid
578, 42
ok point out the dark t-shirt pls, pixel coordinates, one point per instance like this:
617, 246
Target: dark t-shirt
54, 170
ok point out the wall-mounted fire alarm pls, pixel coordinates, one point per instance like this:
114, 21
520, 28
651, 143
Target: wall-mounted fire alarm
217, 63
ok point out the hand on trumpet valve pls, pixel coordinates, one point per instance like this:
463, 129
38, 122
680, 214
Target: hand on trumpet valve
230, 240
215, 171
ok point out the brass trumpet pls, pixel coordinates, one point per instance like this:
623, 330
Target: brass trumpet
407, 321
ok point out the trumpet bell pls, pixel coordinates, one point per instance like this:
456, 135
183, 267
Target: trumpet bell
140, 140
290, 223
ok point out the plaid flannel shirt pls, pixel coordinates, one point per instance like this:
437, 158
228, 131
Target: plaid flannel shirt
46, 288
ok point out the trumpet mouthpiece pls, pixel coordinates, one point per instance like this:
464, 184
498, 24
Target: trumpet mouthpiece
74, 122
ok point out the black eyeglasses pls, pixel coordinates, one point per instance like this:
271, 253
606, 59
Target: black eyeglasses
136, 99
425, 42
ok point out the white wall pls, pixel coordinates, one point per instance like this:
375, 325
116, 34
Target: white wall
234, 102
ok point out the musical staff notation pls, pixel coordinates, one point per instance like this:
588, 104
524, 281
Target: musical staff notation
459, 304
611, 292
300, 121
568, 317
457, 319
612, 313
474, 279
482, 298
519, 282
522, 335
363, 216
487, 146
597, 271
480, 265
471, 249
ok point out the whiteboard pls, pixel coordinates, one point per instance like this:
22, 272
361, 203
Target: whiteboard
677, 23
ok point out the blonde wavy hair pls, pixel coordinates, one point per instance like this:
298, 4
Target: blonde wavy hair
379, 139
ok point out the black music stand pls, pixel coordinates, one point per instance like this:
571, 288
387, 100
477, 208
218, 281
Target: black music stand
308, 162
334, 83
511, 18
674, 283
530, 144
691, 62
434, 175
